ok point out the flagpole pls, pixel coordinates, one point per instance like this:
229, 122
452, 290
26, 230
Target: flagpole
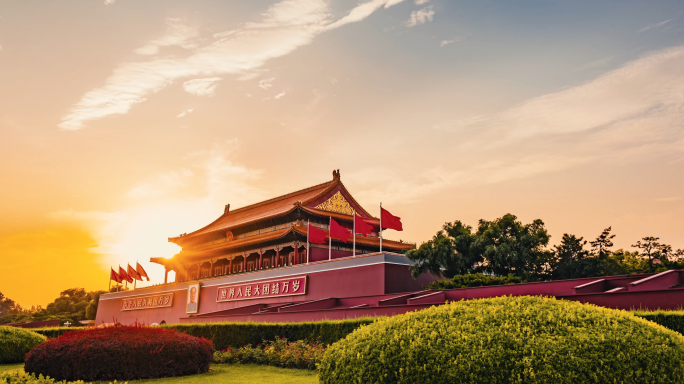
110, 280
381, 227
354, 226
308, 250
329, 240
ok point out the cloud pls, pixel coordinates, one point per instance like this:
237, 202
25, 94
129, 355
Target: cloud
154, 211
186, 112
179, 34
669, 199
108, 2
447, 42
627, 115
281, 94
201, 87
285, 26
654, 26
421, 2
266, 83
654, 83
420, 16
160, 184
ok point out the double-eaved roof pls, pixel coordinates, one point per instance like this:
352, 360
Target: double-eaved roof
308, 199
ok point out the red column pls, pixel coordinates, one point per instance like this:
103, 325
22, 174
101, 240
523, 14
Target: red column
244, 262
261, 259
272, 261
277, 262
230, 266
296, 254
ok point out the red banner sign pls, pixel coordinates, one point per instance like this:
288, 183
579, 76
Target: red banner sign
263, 289
147, 302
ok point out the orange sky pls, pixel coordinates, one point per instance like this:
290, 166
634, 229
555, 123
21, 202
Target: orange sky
123, 123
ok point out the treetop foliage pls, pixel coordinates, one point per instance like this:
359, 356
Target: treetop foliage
507, 247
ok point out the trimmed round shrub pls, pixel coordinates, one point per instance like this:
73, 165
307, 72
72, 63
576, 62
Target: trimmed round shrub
120, 353
16, 342
524, 339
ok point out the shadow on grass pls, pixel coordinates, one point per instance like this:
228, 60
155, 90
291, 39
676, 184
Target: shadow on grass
225, 373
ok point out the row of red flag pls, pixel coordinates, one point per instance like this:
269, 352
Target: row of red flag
128, 275
389, 221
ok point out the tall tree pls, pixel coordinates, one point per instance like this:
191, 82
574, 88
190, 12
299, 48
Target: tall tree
601, 246
571, 259
502, 247
7, 305
447, 254
512, 248
651, 249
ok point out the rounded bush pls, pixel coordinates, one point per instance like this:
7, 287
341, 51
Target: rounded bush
120, 353
16, 342
522, 339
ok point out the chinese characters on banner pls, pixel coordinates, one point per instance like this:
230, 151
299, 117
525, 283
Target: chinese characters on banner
263, 289
147, 302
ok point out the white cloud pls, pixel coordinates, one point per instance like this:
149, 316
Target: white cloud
421, 2
186, 112
669, 199
285, 26
160, 184
201, 87
108, 2
420, 16
628, 115
266, 83
179, 34
653, 26
652, 83
447, 42
154, 211
281, 94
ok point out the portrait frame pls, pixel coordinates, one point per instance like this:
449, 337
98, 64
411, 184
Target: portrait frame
192, 298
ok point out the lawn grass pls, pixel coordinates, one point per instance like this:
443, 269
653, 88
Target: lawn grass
226, 373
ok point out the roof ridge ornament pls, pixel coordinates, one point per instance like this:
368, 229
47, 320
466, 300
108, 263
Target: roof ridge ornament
336, 174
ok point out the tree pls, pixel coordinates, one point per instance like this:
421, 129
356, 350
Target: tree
448, 253
572, 261
511, 248
502, 247
651, 249
601, 246
7, 305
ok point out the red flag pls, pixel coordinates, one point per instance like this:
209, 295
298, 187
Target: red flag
361, 226
389, 221
316, 236
133, 274
339, 232
114, 276
141, 271
124, 275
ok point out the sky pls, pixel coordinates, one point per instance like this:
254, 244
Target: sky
123, 123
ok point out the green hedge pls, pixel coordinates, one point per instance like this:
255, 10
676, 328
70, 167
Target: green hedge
24, 378
473, 280
54, 332
673, 320
234, 335
523, 339
16, 342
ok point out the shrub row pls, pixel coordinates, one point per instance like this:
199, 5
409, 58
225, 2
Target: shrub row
279, 353
235, 335
120, 353
55, 332
473, 280
25, 378
673, 320
523, 339
15, 344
